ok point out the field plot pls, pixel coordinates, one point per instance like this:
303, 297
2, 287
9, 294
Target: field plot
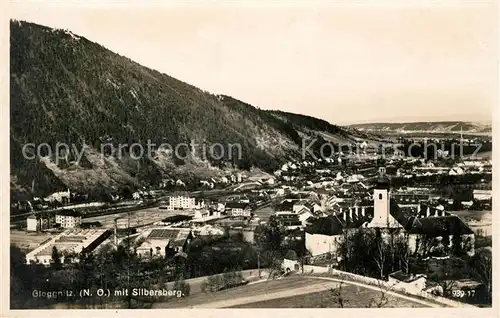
353, 297
26, 240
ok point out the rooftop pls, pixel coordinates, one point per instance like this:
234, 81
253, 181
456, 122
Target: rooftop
73, 240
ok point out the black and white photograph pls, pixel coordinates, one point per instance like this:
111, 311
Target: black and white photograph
235, 154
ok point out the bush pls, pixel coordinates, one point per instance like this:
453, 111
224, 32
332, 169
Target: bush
182, 286
223, 281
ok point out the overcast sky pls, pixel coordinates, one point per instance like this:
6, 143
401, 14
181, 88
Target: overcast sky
343, 64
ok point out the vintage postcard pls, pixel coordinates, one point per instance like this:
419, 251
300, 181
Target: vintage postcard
251, 155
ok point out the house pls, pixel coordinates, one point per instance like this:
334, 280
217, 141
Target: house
300, 205
61, 197
238, 209
467, 204
136, 196
184, 203
286, 205
304, 216
271, 181
291, 262
71, 241
201, 214
314, 207
68, 218
288, 220
482, 195
326, 234
164, 242
409, 282
38, 222
456, 171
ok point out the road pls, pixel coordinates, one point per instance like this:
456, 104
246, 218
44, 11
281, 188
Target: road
267, 296
195, 283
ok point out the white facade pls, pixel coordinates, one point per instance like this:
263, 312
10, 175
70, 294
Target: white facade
153, 247
32, 224
68, 221
319, 244
182, 202
414, 283
482, 195
240, 212
63, 197
381, 210
70, 241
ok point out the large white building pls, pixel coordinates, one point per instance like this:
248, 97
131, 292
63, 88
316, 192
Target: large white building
35, 223
62, 197
68, 218
184, 203
72, 241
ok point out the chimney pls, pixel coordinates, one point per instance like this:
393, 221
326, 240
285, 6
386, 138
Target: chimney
350, 213
428, 212
116, 232
357, 211
436, 212
363, 211
345, 216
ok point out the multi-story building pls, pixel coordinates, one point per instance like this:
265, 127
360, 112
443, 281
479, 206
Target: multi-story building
184, 203
71, 241
238, 209
38, 222
68, 218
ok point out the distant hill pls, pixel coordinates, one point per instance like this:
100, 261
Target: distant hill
438, 126
67, 89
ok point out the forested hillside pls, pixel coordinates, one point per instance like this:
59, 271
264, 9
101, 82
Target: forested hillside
67, 89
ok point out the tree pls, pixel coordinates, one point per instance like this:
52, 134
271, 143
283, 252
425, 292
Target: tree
457, 245
382, 299
446, 273
380, 253
482, 270
338, 294
402, 252
270, 237
56, 259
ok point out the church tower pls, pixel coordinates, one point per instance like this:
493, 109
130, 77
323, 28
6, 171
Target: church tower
382, 217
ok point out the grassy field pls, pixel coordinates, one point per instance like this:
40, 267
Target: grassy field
292, 292
26, 240
353, 296
243, 291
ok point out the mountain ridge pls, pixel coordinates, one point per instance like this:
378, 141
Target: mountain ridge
433, 126
68, 89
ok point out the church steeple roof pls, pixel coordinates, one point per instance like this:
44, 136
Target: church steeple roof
383, 181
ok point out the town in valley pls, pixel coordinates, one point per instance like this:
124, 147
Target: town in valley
420, 225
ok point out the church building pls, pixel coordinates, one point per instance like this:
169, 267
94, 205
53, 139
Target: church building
426, 227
